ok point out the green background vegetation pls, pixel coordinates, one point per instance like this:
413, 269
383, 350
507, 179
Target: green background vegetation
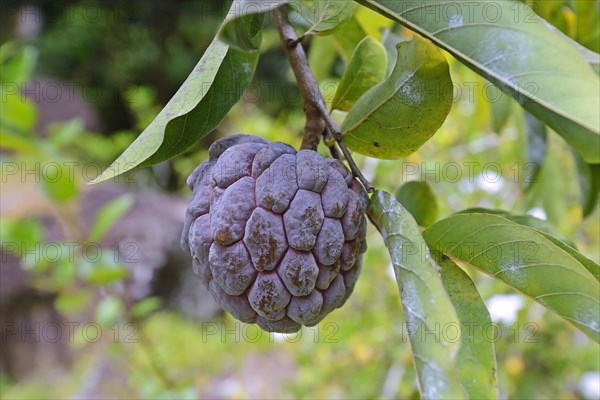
137, 55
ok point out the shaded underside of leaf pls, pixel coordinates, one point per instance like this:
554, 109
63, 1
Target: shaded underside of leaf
524, 259
418, 198
233, 77
515, 50
476, 358
243, 23
589, 184
426, 304
215, 84
537, 145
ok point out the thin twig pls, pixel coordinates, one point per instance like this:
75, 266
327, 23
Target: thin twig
355, 170
307, 84
318, 120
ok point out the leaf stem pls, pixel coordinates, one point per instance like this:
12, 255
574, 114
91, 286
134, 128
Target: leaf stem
318, 120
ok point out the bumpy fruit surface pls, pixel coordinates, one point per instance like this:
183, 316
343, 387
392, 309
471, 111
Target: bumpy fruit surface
276, 235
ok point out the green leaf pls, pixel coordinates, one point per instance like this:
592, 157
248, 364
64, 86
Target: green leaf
526, 220
419, 201
320, 56
108, 215
476, 358
17, 62
524, 259
515, 50
144, 307
588, 29
64, 272
390, 40
214, 86
58, 181
12, 140
589, 184
586, 262
244, 33
18, 114
501, 111
537, 145
72, 301
396, 117
62, 134
109, 310
366, 68
325, 16
592, 58
20, 235
103, 271
426, 303
347, 37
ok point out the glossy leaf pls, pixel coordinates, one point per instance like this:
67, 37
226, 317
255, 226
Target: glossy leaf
396, 117
476, 358
515, 50
366, 68
419, 200
426, 303
525, 220
108, 215
524, 259
326, 15
214, 86
537, 144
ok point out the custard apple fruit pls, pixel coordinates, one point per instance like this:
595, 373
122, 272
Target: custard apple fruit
276, 235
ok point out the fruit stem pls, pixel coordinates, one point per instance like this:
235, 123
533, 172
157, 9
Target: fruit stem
307, 84
318, 120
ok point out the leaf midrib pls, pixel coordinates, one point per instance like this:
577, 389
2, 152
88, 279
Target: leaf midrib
476, 64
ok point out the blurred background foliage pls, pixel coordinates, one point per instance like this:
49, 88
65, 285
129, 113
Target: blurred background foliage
123, 61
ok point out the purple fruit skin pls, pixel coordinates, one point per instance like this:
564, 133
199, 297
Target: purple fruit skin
276, 235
